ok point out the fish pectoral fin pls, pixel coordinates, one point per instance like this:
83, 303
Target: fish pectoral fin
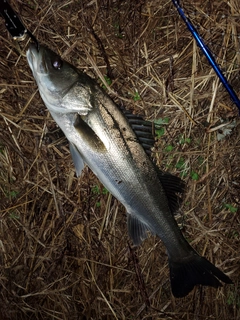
87, 134
77, 159
174, 188
137, 230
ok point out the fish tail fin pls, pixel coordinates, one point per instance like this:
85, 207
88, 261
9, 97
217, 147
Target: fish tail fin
194, 271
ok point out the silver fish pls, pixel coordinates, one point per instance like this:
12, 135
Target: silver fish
100, 135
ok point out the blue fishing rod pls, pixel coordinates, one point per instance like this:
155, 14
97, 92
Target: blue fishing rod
207, 53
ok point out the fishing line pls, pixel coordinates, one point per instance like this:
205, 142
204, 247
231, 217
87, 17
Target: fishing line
207, 52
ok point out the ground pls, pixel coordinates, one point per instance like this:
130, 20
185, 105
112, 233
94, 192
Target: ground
64, 248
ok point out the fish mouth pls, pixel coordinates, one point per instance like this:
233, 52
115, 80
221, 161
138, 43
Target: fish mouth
35, 59
32, 55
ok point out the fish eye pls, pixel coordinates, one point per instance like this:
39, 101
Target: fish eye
57, 63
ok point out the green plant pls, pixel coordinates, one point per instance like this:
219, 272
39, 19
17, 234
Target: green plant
118, 30
181, 165
169, 148
98, 204
162, 121
183, 140
97, 191
104, 191
194, 175
11, 194
136, 96
108, 81
160, 132
200, 160
230, 207
13, 215
233, 299
159, 125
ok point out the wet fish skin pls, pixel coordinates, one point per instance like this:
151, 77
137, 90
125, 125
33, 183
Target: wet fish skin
101, 136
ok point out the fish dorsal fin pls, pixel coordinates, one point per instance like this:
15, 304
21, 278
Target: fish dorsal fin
142, 128
174, 188
137, 230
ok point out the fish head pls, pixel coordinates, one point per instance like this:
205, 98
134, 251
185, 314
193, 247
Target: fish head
58, 81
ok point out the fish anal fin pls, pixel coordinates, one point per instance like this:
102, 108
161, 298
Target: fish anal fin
174, 188
194, 271
77, 159
137, 230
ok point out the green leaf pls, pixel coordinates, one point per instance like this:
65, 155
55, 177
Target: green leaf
105, 191
161, 121
230, 207
180, 164
169, 148
96, 190
13, 215
108, 80
136, 96
183, 174
200, 160
160, 132
182, 140
11, 194
194, 176
118, 31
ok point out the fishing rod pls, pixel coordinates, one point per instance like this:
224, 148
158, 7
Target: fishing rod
207, 53
14, 24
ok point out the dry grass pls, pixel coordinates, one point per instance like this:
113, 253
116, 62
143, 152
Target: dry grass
64, 249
